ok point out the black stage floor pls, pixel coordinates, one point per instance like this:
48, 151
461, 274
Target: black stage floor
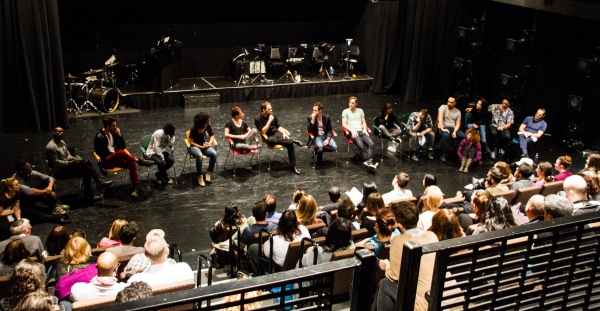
186, 211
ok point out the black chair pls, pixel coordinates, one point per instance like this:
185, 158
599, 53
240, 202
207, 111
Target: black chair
322, 60
275, 60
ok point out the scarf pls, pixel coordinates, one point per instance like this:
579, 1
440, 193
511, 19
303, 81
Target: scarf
104, 280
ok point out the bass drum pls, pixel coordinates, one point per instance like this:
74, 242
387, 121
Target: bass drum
105, 99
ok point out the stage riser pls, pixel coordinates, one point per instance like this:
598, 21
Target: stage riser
198, 100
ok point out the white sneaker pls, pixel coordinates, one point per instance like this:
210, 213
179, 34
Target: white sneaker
500, 151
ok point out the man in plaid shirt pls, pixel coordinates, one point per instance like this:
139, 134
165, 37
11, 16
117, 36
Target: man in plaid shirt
502, 119
420, 125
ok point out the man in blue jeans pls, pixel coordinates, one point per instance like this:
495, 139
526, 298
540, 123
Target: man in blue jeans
159, 152
353, 119
319, 125
531, 130
449, 125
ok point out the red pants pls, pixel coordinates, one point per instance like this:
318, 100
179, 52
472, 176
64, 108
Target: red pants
122, 159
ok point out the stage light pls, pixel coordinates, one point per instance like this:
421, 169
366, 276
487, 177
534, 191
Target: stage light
514, 45
462, 31
460, 62
586, 65
575, 102
506, 79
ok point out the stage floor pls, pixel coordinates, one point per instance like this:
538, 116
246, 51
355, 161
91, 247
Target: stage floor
186, 211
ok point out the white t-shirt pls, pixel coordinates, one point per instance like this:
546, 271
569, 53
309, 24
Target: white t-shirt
164, 273
280, 245
426, 218
396, 195
354, 119
85, 291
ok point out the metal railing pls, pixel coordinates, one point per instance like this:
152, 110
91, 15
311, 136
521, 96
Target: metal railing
312, 290
550, 265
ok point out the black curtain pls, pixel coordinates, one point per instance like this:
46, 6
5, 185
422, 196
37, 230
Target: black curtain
32, 89
410, 46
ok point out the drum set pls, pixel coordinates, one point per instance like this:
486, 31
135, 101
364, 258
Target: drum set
97, 91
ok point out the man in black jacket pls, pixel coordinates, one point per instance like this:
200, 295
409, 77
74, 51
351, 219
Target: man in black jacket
319, 125
109, 145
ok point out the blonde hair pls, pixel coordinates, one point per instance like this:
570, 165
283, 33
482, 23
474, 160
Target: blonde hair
6, 184
307, 210
433, 198
247, 295
115, 229
77, 251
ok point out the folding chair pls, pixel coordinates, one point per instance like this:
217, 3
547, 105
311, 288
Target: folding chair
235, 152
144, 143
348, 137
264, 142
325, 148
379, 134
114, 169
191, 157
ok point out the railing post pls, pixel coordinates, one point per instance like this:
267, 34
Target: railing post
408, 278
362, 283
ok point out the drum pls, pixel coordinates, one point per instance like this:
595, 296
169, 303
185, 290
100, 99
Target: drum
76, 89
105, 99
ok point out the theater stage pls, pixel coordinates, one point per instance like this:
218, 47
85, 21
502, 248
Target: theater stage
186, 211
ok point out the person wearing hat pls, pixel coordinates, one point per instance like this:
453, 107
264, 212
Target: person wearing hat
522, 174
492, 182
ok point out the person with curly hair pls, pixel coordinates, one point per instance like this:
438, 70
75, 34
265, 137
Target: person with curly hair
469, 151
445, 225
201, 140
135, 291
480, 121
26, 277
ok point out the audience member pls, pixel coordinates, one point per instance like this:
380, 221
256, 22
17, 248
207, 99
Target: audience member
400, 181
544, 173
139, 262
243, 137
369, 213
432, 201
114, 235
10, 196
449, 125
78, 233
202, 140
259, 212
127, 235
103, 284
353, 119
507, 175
562, 165
480, 121
307, 211
535, 209
78, 255
109, 145
502, 119
492, 182
385, 231
160, 271
420, 125
445, 225
220, 233
497, 217
37, 187
339, 238
56, 241
522, 176
556, 206
469, 151
532, 129
267, 124
334, 197
158, 151
407, 216
428, 180
134, 291
247, 296
593, 164
480, 203
319, 125
26, 277
368, 188
272, 214
36, 301
593, 189
14, 252
576, 191
298, 194
21, 230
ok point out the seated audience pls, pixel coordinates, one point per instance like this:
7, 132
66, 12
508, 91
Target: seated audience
445, 225
522, 176
480, 203
493, 186
272, 214
534, 210
345, 210
232, 217
128, 234
39, 300
339, 238
562, 165
507, 175
307, 211
103, 284
593, 189
134, 291
368, 188
259, 212
26, 277
469, 151
139, 262
400, 181
78, 233
407, 216
556, 206
10, 196
432, 201
334, 197
428, 180
14, 252
576, 191
298, 194
37, 187
56, 241
385, 228
78, 255
369, 213
593, 164
114, 235
21, 230
497, 217
160, 271
544, 173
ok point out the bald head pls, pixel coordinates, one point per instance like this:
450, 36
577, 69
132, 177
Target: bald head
107, 264
575, 188
535, 207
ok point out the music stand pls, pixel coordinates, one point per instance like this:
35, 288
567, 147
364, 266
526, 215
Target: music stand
351, 50
258, 65
243, 79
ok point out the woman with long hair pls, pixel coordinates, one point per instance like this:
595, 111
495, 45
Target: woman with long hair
507, 175
288, 231
480, 203
10, 197
77, 256
14, 252
307, 211
593, 189
243, 137
368, 188
544, 173
56, 241
562, 165
202, 140
469, 151
386, 122
432, 201
369, 213
497, 217
114, 235
339, 238
385, 230
593, 163
296, 196
25, 278
445, 225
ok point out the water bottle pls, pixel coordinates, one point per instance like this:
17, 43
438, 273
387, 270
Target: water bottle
420, 153
331, 70
536, 161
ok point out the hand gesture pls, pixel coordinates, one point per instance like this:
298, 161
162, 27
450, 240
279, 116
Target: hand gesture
354, 133
271, 117
118, 131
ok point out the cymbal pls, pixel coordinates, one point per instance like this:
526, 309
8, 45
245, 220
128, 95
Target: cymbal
70, 76
92, 71
112, 64
91, 78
